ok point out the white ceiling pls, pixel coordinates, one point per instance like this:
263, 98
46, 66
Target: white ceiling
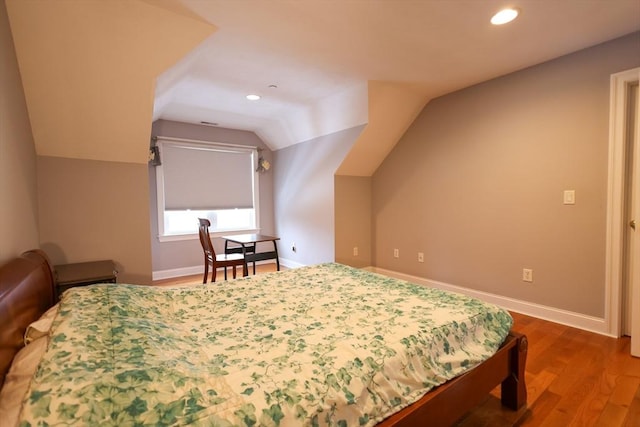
321, 53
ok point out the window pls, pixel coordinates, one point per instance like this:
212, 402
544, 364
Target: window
205, 180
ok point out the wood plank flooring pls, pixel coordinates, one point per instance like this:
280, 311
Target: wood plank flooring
574, 377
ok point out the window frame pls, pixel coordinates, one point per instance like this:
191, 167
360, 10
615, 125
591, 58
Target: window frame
160, 141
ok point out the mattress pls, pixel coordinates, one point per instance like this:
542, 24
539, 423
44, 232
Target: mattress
320, 345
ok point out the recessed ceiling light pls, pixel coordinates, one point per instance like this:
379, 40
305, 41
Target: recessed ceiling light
504, 16
253, 97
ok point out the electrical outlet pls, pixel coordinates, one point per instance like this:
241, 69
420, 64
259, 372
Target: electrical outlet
527, 275
420, 257
396, 253
355, 251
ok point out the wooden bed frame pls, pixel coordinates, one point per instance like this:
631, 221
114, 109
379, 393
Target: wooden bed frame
27, 290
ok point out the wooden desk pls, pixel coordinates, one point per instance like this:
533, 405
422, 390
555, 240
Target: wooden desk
83, 274
247, 248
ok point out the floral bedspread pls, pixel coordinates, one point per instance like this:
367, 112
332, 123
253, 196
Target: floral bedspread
321, 345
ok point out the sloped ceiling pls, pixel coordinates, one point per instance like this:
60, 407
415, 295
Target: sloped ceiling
97, 73
321, 54
392, 107
89, 69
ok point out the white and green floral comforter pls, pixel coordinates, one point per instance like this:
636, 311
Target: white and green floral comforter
321, 345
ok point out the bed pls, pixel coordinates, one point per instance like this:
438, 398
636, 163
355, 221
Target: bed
286, 348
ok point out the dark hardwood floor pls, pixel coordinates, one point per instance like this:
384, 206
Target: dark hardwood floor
574, 377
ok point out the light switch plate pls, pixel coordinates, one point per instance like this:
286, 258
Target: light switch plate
569, 197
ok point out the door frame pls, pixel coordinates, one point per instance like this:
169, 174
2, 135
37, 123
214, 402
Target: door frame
615, 200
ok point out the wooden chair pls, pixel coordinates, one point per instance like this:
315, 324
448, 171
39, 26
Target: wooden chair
210, 258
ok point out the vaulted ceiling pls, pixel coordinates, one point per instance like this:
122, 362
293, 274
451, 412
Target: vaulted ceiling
96, 74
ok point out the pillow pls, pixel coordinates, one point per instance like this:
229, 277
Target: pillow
42, 326
18, 378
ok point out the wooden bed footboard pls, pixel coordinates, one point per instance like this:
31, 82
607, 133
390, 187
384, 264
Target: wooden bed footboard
447, 403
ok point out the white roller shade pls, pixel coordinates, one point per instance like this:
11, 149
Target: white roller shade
206, 177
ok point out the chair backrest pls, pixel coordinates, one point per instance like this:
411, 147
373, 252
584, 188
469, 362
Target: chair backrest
205, 240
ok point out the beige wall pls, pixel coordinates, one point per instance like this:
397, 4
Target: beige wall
18, 193
353, 220
93, 210
304, 199
476, 183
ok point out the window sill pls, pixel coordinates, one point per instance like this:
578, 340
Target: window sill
183, 237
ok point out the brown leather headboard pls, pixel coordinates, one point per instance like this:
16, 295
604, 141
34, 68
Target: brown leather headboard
26, 291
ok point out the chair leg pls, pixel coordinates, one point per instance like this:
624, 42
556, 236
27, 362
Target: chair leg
214, 273
206, 271
234, 271
225, 273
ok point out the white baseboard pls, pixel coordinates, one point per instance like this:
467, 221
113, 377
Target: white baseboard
290, 264
190, 271
177, 272
564, 317
552, 314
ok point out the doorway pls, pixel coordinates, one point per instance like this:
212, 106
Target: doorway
631, 189
623, 238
